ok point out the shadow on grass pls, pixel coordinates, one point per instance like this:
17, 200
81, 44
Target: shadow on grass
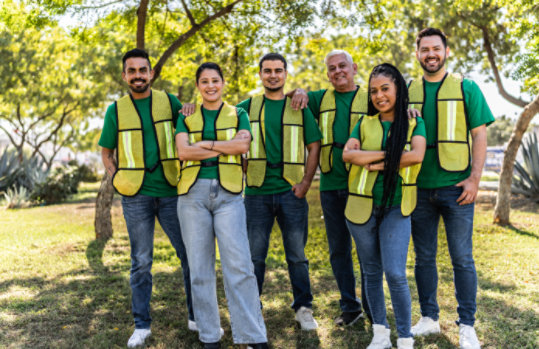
522, 232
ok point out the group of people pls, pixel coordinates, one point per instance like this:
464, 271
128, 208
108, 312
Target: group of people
385, 174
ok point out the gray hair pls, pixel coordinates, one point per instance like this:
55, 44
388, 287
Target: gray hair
347, 56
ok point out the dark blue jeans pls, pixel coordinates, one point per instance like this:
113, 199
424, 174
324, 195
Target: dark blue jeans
458, 220
383, 249
292, 217
340, 248
140, 212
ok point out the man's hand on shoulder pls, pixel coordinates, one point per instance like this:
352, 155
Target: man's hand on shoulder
188, 109
300, 99
413, 113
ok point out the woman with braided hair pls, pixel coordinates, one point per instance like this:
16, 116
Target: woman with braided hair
385, 150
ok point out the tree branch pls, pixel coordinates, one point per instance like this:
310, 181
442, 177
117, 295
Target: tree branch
189, 14
142, 12
188, 34
491, 58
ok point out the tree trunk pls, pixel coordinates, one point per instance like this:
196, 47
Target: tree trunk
503, 200
103, 222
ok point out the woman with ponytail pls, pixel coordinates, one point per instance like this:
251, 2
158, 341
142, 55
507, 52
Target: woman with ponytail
385, 150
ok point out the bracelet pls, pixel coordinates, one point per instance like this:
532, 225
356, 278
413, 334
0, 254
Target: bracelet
212, 143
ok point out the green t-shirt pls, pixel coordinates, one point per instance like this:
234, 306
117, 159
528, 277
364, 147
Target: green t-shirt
208, 134
378, 189
273, 181
337, 178
432, 175
154, 183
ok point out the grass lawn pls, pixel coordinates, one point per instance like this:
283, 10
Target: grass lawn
60, 288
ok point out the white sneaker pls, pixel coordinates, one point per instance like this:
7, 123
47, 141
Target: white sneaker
405, 343
381, 339
468, 338
305, 318
138, 337
192, 326
425, 326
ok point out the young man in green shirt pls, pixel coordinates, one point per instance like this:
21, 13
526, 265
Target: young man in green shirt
140, 127
278, 179
453, 110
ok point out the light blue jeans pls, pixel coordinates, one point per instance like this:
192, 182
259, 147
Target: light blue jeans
208, 212
383, 249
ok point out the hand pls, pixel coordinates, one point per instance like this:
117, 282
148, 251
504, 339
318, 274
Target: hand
301, 189
413, 113
470, 186
352, 144
378, 166
188, 109
299, 99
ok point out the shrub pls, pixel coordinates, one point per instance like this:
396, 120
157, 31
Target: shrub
61, 183
17, 197
526, 174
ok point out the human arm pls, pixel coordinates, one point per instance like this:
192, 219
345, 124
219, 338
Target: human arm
299, 97
107, 156
187, 151
470, 185
188, 109
353, 154
238, 145
301, 188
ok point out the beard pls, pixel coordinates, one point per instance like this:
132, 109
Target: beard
436, 69
273, 89
139, 89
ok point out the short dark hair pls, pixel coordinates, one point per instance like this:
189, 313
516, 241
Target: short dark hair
272, 57
136, 52
431, 32
209, 65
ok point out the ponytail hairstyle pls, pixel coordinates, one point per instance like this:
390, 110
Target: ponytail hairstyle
398, 132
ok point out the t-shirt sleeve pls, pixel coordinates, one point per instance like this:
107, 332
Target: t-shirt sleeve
243, 120
244, 105
315, 98
312, 132
180, 125
355, 131
477, 108
176, 107
109, 133
420, 128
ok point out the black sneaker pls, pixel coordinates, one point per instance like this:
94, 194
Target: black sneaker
348, 318
258, 346
215, 345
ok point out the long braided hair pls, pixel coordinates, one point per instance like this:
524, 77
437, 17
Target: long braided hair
396, 139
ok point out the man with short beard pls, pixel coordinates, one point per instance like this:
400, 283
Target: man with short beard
453, 109
278, 179
140, 126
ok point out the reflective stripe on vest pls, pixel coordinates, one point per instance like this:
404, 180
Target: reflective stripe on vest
452, 136
326, 122
361, 182
292, 144
229, 166
129, 177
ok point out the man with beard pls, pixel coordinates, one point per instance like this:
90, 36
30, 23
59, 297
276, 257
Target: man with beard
337, 109
278, 179
140, 126
453, 109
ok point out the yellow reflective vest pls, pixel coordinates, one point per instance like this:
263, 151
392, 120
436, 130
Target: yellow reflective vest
361, 181
292, 144
229, 166
452, 136
129, 176
326, 122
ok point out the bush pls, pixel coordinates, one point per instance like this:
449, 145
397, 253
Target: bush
16, 174
526, 174
84, 172
17, 197
61, 183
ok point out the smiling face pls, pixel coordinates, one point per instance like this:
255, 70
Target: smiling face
341, 73
273, 75
210, 85
138, 75
432, 54
383, 92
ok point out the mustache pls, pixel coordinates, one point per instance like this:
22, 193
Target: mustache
135, 80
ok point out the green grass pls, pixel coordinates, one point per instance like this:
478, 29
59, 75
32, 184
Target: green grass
60, 288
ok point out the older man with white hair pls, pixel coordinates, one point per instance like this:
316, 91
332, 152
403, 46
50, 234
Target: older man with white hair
338, 110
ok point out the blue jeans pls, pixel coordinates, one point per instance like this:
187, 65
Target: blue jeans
292, 217
458, 220
382, 250
208, 212
340, 248
139, 213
